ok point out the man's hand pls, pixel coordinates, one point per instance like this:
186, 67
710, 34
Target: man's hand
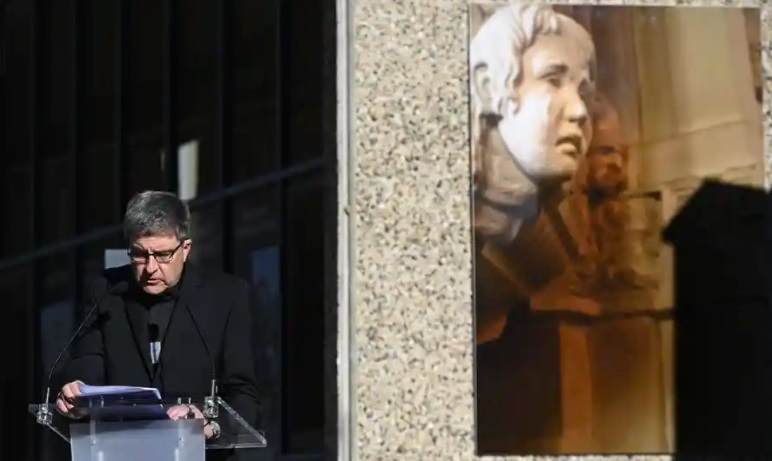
190, 411
65, 400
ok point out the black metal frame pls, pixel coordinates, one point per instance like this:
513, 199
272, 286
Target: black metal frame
76, 137
283, 144
36, 119
224, 105
170, 94
121, 95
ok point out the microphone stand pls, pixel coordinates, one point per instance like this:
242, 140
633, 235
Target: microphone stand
44, 415
211, 408
211, 402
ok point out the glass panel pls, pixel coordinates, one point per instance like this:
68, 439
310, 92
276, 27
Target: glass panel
307, 78
254, 88
130, 441
13, 392
255, 226
266, 277
56, 298
57, 79
146, 98
94, 258
197, 94
207, 237
255, 237
17, 203
97, 156
97, 200
14, 161
303, 356
105, 413
55, 175
55, 188
17, 76
56, 301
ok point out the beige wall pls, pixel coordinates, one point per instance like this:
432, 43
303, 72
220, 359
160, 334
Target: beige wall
405, 334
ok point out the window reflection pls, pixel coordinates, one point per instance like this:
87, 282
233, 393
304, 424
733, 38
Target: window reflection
256, 258
254, 88
207, 236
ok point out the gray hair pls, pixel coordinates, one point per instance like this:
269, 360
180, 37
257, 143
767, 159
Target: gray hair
154, 213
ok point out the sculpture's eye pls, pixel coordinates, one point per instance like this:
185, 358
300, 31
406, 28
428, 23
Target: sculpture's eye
554, 78
553, 74
605, 150
555, 81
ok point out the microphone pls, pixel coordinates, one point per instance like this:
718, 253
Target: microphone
154, 336
44, 414
211, 409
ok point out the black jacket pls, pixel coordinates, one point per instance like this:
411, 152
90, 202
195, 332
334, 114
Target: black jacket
114, 347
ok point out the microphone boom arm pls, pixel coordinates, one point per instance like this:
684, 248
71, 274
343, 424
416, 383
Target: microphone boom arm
211, 408
44, 415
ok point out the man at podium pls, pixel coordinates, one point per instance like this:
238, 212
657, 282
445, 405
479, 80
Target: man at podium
162, 322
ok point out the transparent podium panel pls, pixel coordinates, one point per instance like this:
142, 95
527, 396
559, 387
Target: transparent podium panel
128, 429
180, 440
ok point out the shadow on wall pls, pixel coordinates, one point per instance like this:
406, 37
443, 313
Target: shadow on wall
723, 323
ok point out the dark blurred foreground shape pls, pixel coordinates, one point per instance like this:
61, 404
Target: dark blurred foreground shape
722, 350
721, 241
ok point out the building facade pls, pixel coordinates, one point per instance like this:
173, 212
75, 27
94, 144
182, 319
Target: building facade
227, 103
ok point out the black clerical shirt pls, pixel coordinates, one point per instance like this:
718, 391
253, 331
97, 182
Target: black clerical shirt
160, 309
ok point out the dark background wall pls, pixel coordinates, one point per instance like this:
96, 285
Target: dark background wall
94, 91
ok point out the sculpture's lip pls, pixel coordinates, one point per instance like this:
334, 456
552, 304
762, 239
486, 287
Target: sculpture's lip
572, 142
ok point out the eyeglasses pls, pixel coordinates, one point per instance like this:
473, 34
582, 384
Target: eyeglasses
138, 256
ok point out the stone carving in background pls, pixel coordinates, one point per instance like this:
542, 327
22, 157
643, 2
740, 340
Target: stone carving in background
600, 208
531, 73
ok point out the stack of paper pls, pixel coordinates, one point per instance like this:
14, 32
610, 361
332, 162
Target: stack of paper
121, 402
133, 391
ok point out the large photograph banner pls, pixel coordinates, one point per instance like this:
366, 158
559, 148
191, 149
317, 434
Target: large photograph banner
591, 127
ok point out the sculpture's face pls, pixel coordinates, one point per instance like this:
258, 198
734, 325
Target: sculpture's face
546, 126
607, 156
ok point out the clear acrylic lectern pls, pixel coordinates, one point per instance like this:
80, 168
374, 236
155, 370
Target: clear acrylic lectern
131, 431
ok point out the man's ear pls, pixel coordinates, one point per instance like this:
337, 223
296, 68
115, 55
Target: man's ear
482, 90
186, 247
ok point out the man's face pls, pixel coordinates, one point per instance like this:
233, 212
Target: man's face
158, 261
607, 156
547, 127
